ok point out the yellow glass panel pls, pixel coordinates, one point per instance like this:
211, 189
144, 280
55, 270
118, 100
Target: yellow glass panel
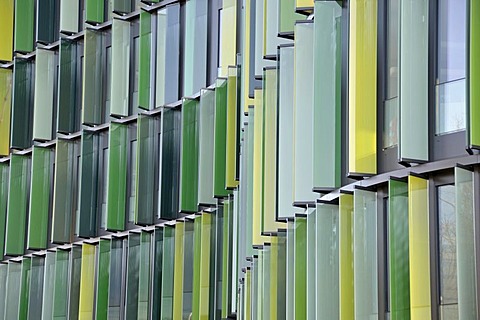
362, 109
304, 4
247, 101
87, 282
178, 274
5, 107
229, 36
230, 182
6, 30
419, 253
346, 257
205, 265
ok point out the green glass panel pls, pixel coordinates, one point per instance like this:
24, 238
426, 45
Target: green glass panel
465, 231
87, 226
13, 287
399, 278
6, 30
94, 11
45, 71
64, 208
287, 16
290, 271
473, 41
189, 160
116, 281
60, 291
144, 202
303, 113
188, 252
327, 262
286, 134
120, 88
18, 186
68, 109
157, 260
168, 55
170, 184
24, 25
103, 277
24, 288
327, 95
206, 154
122, 6
195, 46
48, 21
35, 293
365, 254
300, 267
6, 77
48, 288
69, 14
310, 263
346, 269
22, 104
144, 85
75, 278
168, 269
414, 57
117, 177
93, 71
197, 255
144, 277
40, 198
4, 189
266, 282
220, 142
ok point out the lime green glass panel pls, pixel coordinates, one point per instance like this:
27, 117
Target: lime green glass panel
94, 11
220, 143
18, 186
45, 70
206, 138
117, 177
362, 88
300, 267
189, 160
399, 251
6, 30
4, 189
327, 95
87, 282
345, 261
179, 268
48, 288
419, 249
120, 88
195, 46
24, 288
60, 291
69, 14
232, 121
24, 25
144, 86
228, 52
206, 267
22, 104
5, 107
168, 271
287, 16
36, 284
303, 113
197, 253
290, 271
13, 287
473, 43
102, 280
465, 231
40, 198
93, 76
365, 252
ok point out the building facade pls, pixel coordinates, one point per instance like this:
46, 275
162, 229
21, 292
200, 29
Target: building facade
250, 159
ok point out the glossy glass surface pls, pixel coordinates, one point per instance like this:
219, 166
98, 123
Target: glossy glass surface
6, 77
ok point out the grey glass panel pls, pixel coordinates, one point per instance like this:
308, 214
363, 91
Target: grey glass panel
46, 68
120, 90
49, 277
93, 80
36, 288
69, 14
116, 281
75, 275
12, 298
3, 283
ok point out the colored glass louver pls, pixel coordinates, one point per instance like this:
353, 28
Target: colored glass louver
5, 109
6, 30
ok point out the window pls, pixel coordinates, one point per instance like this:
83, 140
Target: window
451, 66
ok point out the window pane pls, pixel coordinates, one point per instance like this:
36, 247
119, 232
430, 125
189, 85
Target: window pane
390, 123
451, 106
392, 48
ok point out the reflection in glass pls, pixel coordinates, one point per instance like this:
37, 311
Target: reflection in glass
390, 123
451, 107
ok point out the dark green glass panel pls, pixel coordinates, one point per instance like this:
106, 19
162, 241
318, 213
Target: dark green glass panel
399, 254
49, 285
75, 275
131, 303
4, 178
168, 269
19, 185
117, 264
171, 134
93, 78
144, 278
24, 288
88, 185
64, 208
22, 104
189, 161
40, 198
12, 298
48, 20
188, 252
144, 86
35, 295
103, 273
68, 109
60, 291
157, 273
117, 177
145, 184
220, 144
94, 11
24, 25
122, 6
